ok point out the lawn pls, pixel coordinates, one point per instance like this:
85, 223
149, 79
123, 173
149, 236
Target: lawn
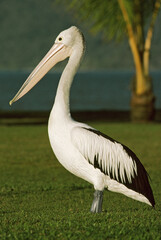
39, 199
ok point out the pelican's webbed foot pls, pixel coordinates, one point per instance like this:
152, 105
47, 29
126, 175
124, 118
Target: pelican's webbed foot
97, 202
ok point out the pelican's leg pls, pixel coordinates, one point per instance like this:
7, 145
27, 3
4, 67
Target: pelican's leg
97, 202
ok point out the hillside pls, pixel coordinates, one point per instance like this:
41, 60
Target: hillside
28, 29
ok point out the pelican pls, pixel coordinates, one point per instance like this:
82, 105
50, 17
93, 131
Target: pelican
81, 149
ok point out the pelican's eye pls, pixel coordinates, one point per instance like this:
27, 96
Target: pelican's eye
60, 38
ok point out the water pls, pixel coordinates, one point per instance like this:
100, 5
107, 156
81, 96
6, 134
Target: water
97, 90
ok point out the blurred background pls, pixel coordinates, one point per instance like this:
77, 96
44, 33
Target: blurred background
103, 87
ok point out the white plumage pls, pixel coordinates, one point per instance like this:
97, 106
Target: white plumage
109, 155
82, 150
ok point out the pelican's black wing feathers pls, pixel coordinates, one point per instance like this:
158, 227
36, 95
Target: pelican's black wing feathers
113, 159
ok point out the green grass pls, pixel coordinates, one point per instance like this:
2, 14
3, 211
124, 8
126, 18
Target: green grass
39, 199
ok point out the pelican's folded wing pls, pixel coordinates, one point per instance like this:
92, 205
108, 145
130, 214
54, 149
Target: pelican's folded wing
113, 159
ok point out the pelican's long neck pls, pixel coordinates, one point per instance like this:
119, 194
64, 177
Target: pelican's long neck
61, 104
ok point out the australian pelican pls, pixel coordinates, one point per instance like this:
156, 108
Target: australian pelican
81, 149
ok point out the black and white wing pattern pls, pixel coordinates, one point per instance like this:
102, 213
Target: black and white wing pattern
113, 159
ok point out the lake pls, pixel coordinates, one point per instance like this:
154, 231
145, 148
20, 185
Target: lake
91, 91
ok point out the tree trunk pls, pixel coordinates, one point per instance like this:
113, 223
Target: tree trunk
142, 100
143, 105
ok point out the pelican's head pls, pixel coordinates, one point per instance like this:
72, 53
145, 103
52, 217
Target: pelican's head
63, 48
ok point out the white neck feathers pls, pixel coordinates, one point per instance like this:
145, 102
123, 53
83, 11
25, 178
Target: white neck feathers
62, 103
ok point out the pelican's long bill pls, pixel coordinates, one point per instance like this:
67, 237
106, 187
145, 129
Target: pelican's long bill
57, 53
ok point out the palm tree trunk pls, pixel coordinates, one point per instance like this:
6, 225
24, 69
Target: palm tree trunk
140, 81
142, 99
149, 37
143, 106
